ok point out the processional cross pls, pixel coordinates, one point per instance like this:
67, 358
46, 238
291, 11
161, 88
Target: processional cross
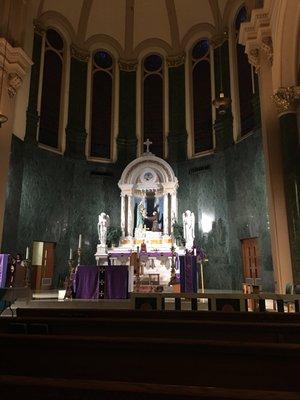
147, 144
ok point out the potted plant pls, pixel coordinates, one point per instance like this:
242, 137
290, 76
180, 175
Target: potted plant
178, 234
114, 234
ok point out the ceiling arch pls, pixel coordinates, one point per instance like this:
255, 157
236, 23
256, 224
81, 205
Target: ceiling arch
130, 25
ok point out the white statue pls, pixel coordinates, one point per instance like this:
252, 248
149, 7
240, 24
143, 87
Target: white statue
188, 219
103, 224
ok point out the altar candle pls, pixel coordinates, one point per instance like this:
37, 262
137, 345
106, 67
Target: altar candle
71, 254
80, 240
27, 253
195, 252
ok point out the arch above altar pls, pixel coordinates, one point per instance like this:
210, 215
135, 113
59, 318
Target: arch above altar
148, 199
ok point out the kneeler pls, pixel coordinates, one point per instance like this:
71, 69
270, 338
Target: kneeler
188, 273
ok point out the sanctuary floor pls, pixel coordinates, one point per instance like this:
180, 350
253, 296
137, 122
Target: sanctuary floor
53, 299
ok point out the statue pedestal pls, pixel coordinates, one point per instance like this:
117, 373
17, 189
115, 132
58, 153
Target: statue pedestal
101, 250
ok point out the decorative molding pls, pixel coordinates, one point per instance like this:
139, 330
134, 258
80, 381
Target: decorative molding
176, 61
217, 40
14, 81
267, 47
286, 99
128, 65
80, 54
14, 64
256, 36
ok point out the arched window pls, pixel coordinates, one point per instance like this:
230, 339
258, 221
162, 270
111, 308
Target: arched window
51, 90
247, 80
153, 125
101, 108
202, 101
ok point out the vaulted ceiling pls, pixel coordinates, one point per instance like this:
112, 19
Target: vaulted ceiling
130, 24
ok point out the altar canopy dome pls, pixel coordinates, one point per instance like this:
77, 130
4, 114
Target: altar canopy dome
148, 173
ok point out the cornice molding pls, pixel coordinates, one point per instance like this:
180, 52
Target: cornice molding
286, 99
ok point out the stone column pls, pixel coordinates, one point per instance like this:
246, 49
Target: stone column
16, 64
130, 215
166, 214
286, 101
257, 37
174, 209
123, 222
281, 253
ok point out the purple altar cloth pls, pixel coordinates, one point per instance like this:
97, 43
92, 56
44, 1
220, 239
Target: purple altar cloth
188, 273
3, 269
87, 282
116, 282
143, 253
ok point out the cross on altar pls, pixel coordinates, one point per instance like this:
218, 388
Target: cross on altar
147, 144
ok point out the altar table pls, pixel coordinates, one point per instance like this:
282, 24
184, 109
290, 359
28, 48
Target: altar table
91, 283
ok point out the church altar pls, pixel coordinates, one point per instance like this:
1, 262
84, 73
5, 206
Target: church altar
149, 208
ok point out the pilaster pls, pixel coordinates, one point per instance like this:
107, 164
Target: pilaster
257, 38
14, 66
286, 99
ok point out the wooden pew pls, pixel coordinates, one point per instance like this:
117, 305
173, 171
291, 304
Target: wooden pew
165, 361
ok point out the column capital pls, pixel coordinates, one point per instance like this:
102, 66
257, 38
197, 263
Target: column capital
80, 54
128, 65
286, 99
256, 36
176, 60
14, 65
219, 39
39, 27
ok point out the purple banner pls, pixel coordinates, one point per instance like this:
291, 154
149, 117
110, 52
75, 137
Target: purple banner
3, 269
188, 273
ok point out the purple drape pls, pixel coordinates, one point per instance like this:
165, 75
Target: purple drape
116, 282
188, 273
87, 282
3, 269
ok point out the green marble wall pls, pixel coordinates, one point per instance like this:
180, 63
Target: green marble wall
59, 197
54, 198
230, 186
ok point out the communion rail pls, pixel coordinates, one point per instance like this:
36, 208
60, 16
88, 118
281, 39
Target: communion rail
216, 301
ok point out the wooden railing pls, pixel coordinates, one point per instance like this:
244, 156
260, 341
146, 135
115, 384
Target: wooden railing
217, 301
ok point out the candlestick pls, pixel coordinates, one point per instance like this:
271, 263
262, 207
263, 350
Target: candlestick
79, 241
71, 254
27, 253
